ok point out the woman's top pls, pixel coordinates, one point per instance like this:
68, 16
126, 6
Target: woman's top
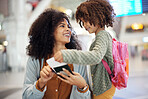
100, 49
30, 90
57, 89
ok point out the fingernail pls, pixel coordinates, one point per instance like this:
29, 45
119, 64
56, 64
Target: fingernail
63, 69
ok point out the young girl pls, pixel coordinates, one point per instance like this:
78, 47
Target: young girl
94, 15
50, 33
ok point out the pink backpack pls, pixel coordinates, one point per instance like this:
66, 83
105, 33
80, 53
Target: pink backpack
120, 73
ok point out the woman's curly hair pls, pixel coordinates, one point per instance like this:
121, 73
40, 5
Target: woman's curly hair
41, 34
95, 12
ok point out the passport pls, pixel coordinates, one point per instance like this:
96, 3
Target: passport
57, 66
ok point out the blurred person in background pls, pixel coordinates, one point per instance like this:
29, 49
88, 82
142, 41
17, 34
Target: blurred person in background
94, 15
50, 33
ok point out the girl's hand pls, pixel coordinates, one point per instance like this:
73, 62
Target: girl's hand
45, 75
71, 79
58, 56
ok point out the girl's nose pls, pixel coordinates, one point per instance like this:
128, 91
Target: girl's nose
84, 24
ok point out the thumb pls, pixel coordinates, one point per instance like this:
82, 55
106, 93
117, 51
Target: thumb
75, 73
55, 57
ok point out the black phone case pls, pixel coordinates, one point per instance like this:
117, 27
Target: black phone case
58, 69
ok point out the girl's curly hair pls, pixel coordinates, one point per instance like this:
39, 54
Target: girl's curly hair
41, 34
95, 12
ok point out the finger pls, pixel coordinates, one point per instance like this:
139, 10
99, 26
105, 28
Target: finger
43, 75
67, 72
56, 56
66, 77
75, 73
61, 59
66, 81
51, 69
48, 68
58, 60
46, 72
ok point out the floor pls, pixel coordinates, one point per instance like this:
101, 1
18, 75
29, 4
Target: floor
11, 82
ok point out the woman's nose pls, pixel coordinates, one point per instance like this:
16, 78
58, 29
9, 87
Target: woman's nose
67, 29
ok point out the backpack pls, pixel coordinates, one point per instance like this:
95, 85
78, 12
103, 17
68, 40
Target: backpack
120, 73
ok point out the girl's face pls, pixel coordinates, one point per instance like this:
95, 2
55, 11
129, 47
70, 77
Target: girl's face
62, 33
88, 27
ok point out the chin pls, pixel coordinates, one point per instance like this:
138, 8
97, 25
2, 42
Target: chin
67, 41
90, 32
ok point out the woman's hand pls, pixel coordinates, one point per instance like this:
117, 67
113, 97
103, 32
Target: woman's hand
45, 75
71, 79
58, 57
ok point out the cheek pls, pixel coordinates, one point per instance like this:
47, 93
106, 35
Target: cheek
57, 36
94, 28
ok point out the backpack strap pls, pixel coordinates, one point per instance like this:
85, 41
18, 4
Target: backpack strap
107, 68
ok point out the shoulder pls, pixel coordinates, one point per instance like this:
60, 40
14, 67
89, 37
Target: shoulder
33, 66
32, 62
102, 37
103, 33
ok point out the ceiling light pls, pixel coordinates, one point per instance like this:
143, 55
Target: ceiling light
5, 43
136, 26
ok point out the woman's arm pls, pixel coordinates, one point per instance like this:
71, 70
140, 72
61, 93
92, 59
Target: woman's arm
34, 88
78, 80
29, 87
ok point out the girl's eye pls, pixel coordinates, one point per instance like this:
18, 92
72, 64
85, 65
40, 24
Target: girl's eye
83, 23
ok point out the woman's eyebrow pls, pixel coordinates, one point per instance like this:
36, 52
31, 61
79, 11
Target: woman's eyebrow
62, 23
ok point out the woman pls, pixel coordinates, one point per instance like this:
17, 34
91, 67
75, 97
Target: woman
50, 33
94, 15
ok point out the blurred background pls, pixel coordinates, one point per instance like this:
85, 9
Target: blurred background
130, 26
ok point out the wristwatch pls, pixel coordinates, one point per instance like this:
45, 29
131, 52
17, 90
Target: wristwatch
84, 88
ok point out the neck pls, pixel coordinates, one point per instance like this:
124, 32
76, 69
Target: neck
99, 29
58, 47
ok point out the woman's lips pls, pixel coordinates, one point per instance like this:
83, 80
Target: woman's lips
67, 35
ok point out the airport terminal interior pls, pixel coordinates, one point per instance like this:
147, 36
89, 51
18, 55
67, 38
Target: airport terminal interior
130, 26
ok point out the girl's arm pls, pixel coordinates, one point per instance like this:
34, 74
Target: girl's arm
88, 57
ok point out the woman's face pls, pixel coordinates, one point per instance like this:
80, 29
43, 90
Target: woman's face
62, 33
88, 27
